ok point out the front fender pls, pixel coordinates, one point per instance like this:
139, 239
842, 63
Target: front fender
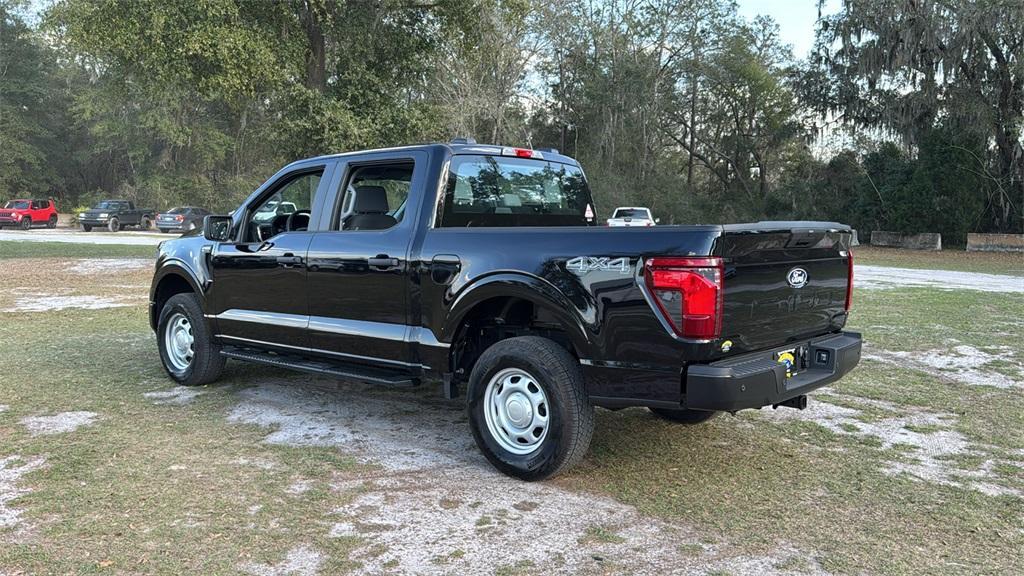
173, 266
527, 287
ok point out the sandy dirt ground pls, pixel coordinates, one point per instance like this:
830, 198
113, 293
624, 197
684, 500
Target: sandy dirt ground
437, 506
882, 277
131, 237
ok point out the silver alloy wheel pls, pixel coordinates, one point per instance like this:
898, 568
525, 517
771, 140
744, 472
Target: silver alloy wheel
516, 411
179, 342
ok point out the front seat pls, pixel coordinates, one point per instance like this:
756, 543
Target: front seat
369, 210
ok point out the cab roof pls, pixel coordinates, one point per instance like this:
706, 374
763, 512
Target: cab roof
457, 146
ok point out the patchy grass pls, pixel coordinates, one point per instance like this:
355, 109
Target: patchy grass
147, 488
841, 493
987, 262
166, 484
10, 249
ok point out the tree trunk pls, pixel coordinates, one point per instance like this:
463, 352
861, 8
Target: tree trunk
316, 51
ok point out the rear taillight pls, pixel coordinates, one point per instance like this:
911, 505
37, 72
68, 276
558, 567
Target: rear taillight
688, 293
179, 217
849, 280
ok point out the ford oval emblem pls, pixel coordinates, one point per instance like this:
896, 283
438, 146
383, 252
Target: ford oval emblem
797, 277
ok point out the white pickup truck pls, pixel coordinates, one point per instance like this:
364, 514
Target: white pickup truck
632, 216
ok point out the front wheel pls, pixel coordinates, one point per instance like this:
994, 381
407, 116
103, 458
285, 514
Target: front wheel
86, 228
528, 408
52, 222
684, 416
26, 224
187, 350
114, 225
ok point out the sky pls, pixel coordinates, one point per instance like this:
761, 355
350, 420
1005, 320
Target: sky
795, 18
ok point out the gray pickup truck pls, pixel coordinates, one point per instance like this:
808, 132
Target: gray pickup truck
114, 215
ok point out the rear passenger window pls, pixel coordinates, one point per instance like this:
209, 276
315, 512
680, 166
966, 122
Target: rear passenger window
375, 197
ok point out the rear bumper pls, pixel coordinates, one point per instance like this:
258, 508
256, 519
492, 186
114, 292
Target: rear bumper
757, 379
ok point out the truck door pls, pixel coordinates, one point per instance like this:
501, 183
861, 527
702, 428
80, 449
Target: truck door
259, 280
359, 262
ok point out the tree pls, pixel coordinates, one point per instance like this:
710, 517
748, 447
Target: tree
906, 66
28, 109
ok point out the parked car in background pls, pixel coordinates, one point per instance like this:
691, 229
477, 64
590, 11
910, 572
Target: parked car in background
181, 219
25, 213
632, 216
114, 215
273, 209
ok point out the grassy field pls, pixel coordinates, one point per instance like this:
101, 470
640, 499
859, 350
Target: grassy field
10, 249
953, 259
913, 464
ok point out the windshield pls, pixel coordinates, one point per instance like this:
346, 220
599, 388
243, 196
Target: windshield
109, 205
17, 205
631, 213
502, 191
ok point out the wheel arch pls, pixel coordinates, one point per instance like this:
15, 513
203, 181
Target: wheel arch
517, 299
172, 278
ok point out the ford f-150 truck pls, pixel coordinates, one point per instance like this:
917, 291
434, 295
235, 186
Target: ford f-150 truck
114, 215
483, 268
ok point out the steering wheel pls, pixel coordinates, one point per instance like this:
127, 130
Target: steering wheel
297, 221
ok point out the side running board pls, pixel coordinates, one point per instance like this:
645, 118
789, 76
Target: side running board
346, 371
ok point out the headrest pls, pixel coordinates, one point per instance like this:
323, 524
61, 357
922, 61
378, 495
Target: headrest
511, 200
370, 200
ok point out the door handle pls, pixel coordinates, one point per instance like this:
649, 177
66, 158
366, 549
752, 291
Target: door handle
382, 262
289, 260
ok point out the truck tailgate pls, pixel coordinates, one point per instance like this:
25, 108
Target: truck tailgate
784, 281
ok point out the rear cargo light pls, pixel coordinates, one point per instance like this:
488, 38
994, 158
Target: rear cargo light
688, 293
849, 280
522, 153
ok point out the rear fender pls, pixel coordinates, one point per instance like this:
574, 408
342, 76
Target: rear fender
534, 289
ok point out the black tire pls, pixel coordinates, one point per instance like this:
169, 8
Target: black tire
26, 223
86, 228
114, 225
52, 222
684, 416
207, 363
164, 230
570, 415
144, 223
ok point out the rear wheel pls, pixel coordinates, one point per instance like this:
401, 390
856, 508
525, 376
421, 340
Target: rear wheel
684, 416
114, 225
164, 230
187, 349
26, 224
52, 222
528, 408
144, 223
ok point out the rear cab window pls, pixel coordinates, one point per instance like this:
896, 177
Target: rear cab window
631, 213
497, 191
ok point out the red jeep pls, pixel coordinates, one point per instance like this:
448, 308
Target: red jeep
25, 213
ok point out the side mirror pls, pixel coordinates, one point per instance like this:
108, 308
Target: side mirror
217, 228
657, 220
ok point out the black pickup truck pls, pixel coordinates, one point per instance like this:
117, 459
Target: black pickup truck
483, 268
114, 215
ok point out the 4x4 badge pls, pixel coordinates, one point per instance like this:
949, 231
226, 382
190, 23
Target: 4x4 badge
584, 264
